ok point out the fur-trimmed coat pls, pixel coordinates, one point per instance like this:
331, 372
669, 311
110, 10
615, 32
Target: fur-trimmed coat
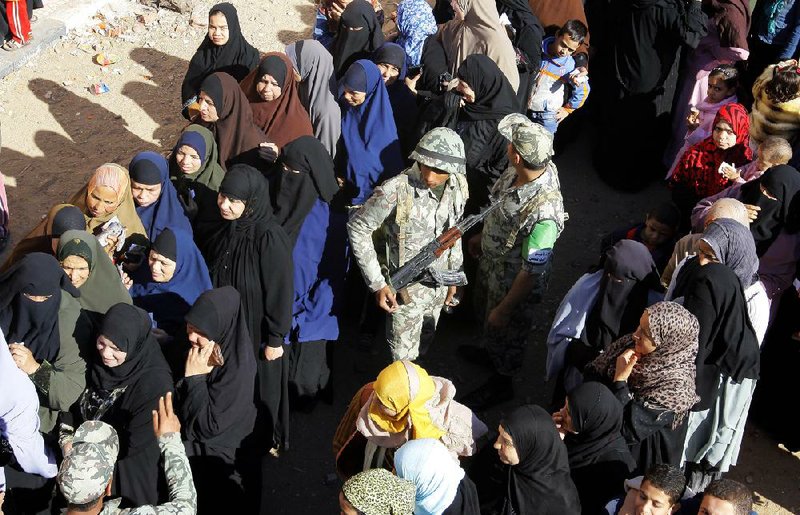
770, 119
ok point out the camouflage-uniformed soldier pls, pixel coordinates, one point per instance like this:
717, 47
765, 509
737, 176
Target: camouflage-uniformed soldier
516, 252
84, 476
405, 213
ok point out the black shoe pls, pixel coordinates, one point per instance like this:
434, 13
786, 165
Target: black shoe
473, 354
497, 390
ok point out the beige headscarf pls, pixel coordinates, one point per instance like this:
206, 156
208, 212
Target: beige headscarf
115, 177
479, 32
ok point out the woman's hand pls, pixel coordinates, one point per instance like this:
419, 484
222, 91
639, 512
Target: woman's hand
126, 280
558, 420
273, 353
23, 358
625, 363
197, 361
752, 211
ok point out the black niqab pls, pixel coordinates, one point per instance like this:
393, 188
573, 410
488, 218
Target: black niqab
540, 483
297, 192
34, 324
352, 45
219, 316
783, 183
237, 57
494, 96
129, 328
597, 421
727, 341
629, 272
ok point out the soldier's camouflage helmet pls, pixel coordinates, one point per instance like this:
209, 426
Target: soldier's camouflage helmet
533, 142
442, 149
88, 468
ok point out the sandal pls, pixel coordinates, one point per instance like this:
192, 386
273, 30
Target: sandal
11, 45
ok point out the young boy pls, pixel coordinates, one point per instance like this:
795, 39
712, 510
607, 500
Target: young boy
658, 233
557, 76
724, 497
657, 493
773, 151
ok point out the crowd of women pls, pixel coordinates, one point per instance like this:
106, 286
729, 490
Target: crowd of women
218, 269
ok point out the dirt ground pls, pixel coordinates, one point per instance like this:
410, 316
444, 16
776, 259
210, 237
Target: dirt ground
55, 132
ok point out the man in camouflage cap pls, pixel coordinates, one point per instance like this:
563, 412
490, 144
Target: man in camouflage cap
515, 249
86, 472
90, 455
409, 211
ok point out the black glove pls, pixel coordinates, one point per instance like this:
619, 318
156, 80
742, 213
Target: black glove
268, 154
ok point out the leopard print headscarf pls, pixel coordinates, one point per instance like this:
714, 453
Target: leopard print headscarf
665, 378
379, 492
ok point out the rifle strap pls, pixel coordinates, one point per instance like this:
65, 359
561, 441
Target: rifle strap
527, 210
405, 201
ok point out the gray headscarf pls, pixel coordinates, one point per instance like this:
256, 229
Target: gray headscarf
317, 84
734, 247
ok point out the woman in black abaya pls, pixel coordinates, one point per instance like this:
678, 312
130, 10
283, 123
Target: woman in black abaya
358, 35
216, 403
234, 55
599, 459
491, 100
250, 251
538, 472
527, 40
126, 378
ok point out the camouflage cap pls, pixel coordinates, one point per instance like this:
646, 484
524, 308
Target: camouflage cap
533, 142
442, 149
88, 468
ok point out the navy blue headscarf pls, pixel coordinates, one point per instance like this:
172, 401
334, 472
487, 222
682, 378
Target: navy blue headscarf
369, 132
167, 210
170, 301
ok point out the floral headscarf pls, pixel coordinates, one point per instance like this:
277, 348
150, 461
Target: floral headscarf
415, 22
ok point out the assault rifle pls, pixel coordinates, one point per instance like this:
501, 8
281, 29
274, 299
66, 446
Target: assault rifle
416, 269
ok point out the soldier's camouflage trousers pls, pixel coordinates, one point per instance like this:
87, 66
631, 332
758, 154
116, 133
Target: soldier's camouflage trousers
414, 324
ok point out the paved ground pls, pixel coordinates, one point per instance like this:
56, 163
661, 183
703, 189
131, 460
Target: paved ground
56, 132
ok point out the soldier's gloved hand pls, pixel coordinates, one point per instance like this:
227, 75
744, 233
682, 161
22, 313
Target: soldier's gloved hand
386, 299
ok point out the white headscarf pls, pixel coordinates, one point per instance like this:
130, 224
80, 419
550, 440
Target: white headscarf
428, 464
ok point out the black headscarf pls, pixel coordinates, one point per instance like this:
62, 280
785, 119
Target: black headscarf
352, 45
434, 64
254, 255
629, 272
219, 316
597, 420
783, 183
727, 342
237, 57
130, 329
494, 96
528, 29
540, 483
34, 324
297, 192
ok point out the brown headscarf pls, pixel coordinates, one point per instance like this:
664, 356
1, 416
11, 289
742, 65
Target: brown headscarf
115, 177
283, 119
732, 19
666, 376
479, 32
235, 131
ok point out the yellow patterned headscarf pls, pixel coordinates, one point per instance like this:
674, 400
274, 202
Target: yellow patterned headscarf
404, 388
